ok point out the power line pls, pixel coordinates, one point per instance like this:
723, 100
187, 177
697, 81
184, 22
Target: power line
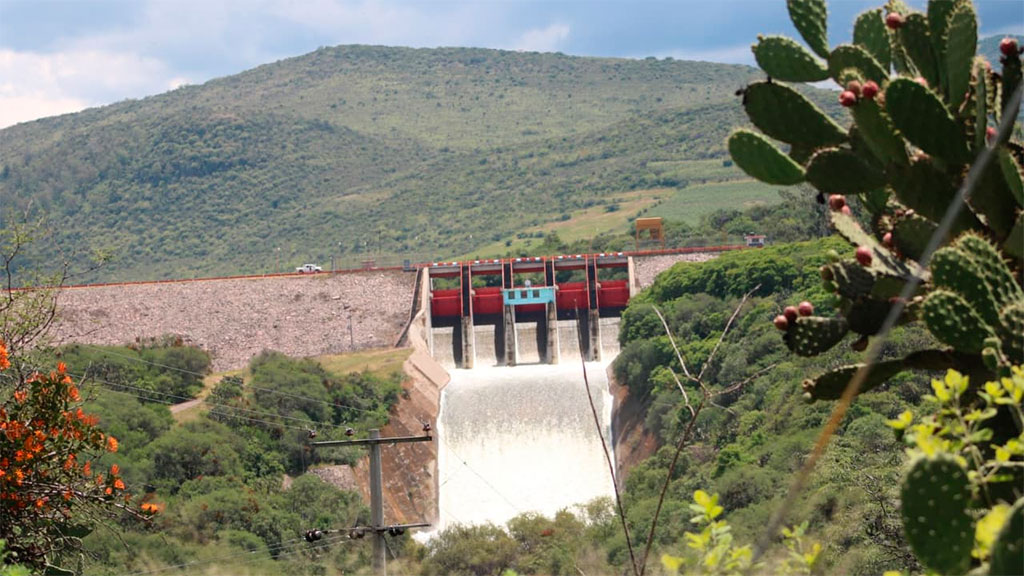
270, 549
484, 480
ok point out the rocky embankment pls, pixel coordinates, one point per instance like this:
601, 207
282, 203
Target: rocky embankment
236, 319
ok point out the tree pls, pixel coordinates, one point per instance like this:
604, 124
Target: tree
50, 494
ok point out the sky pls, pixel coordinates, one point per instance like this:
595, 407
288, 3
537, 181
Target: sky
60, 56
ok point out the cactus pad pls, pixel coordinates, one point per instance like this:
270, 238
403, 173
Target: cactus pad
869, 33
919, 114
993, 199
938, 23
1014, 244
954, 322
1008, 549
924, 187
1011, 79
936, 523
867, 315
847, 56
879, 133
911, 234
812, 335
852, 280
979, 86
958, 272
810, 17
784, 114
1011, 330
840, 171
961, 42
991, 267
759, 158
1013, 174
916, 40
830, 385
883, 261
784, 59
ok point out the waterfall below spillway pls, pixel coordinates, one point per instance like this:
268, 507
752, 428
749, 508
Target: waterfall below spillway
523, 439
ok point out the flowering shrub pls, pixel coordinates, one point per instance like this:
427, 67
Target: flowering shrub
50, 487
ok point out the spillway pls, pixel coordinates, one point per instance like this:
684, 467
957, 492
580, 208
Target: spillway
523, 439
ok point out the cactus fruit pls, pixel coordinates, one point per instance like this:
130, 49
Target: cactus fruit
1008, 47
864, 256
805, 308
923, 106
781, 322
870, 90
934, 496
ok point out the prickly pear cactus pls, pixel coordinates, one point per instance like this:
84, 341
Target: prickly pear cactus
922, 108
1008, 551
934, 497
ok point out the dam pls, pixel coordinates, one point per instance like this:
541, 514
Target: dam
516, 431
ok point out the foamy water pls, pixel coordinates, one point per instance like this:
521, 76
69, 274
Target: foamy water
521, 439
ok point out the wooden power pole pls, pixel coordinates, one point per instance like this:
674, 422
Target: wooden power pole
377, 491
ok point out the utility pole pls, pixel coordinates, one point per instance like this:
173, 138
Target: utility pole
377, 491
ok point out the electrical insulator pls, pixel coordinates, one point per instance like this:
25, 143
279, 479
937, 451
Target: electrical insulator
396, 531
313, 535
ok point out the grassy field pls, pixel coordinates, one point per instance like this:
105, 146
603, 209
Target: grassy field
380, 362
693, 202
583, 224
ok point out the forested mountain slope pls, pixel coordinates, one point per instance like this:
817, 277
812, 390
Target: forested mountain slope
354, 150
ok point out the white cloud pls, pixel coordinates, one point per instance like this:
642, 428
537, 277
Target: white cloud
16, 109
547, 39
34, 85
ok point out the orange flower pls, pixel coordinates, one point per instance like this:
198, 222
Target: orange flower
108, 491
119, 484
151, 507
73, 392
68, 494
99, 479
40, 503
114, 469
111, 444
87, 469
5, 363
20, 395
61, 368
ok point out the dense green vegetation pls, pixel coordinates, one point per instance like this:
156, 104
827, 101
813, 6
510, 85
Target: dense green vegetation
748, 448
361, 151
217, 479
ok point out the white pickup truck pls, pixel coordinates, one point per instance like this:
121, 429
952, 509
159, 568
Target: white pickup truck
308, 269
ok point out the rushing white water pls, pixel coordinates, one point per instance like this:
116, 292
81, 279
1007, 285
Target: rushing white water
523, 439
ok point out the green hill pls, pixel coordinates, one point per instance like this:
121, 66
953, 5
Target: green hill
357, 151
